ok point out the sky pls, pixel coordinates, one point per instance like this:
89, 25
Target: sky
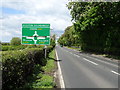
15, 12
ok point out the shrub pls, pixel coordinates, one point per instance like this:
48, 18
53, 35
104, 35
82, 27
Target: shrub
18, 65
15, 41
5, 43
5, 48
10, 47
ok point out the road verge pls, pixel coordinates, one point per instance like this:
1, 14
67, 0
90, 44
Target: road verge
59, 72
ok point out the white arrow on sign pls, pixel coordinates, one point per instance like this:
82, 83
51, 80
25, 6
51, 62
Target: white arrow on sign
35, 34
38, 37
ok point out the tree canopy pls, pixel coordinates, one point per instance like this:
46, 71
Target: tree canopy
96, 26
15, 41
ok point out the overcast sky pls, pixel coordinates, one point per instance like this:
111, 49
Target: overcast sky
16, 12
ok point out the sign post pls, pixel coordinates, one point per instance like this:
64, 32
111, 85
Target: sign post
37, 34
45, 51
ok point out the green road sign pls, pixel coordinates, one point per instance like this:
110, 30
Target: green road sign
36, 34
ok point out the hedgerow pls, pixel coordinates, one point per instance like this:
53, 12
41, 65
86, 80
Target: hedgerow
18, 65
42, 79
10, 47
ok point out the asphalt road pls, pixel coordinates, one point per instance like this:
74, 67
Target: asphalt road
82, 70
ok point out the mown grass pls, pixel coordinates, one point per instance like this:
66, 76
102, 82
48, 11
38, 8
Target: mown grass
45, 78
50, 63
45, 81
113, 57
105, 55
74, 48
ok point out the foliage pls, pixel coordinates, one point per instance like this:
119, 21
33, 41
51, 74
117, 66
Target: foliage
70, 37
10, 47
18, 65
97, 26
19, 47
15, 41
45, 81
42, 79
4, 43
50, 63
52, 41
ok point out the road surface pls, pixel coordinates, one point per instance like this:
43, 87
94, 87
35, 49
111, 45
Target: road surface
80, 70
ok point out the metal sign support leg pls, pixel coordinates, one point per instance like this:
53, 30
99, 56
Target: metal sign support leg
45, 51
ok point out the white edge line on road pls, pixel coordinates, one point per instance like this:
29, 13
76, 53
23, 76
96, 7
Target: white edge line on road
90, 61
62, 85
115, 72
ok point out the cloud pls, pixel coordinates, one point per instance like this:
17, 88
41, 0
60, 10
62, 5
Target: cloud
6, 33
36, 11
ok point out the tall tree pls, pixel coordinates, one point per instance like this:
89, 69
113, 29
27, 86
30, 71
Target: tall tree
96, 26
15, 41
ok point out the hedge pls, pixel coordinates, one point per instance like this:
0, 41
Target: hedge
18, 65
19, 47
3, 43
10, 47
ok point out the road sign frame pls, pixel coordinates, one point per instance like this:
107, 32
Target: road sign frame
39, 30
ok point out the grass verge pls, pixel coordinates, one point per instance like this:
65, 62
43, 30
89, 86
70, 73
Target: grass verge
104, 55
43, 76
50, 63
74, 48
113, 57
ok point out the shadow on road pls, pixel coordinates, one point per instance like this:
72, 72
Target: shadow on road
58, 60
54, 59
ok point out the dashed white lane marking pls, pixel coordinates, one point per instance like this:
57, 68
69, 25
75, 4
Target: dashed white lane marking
70, 52
102, 61
77, 55
94, 62
115, 72
90, 61
83, 58
74, 54
60, 72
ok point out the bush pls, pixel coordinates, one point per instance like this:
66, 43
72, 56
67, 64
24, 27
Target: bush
10, 47
3, 43
44, 79
15, 41
5, 48
18, 65
112, 51
45, 82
